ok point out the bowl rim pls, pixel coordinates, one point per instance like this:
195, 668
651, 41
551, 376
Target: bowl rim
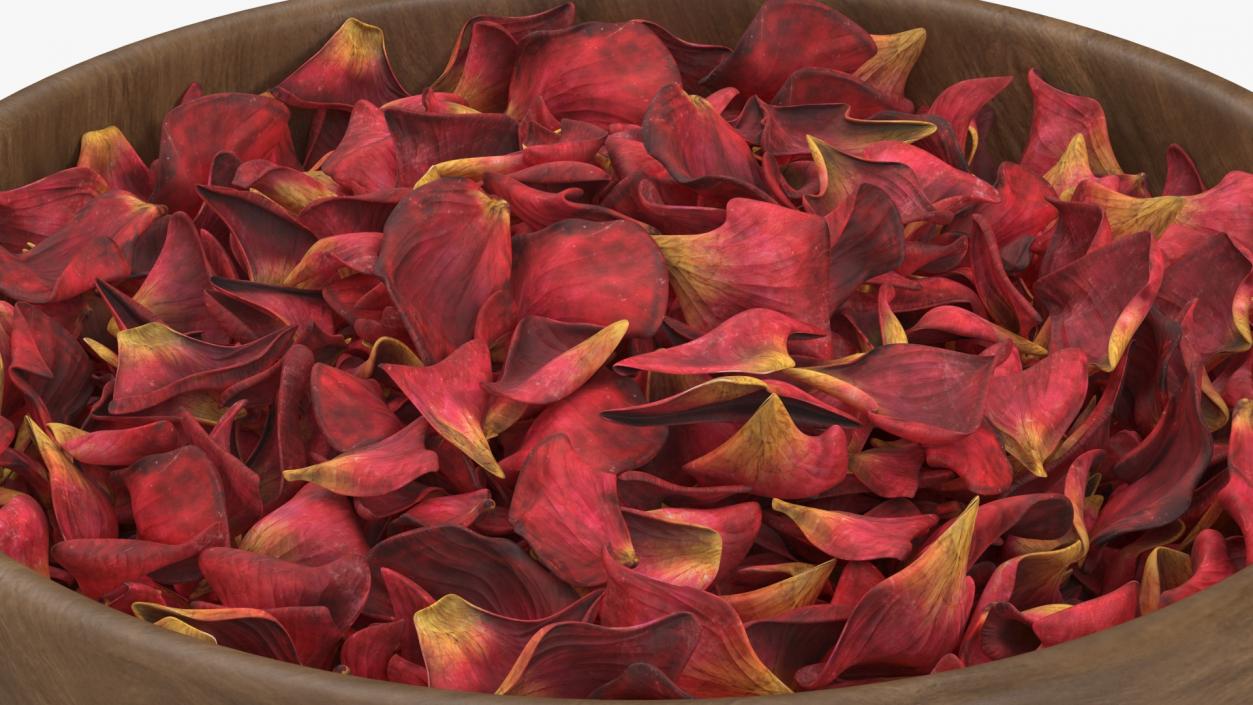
1209, 624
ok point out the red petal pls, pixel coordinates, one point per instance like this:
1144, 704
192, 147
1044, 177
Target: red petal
243, 579
723, 662
452, 398
572, 659
764, 256
1058, 117
313, 528
35, 211
910, 620
751, 342
469, 648
375, 468
108, 153
594, 273
23, 530
1097, 302
156, 364
773, 457
596, 72
787, 35
194, 133
492, 573
1034, 408
80, 509
853, 537
253, 631
569, 531
351, 66
578, 417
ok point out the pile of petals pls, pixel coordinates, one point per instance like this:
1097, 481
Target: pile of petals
614, 365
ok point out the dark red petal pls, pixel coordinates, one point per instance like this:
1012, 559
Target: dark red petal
572, 659
495, 574
250, 630
469, 648
723, 662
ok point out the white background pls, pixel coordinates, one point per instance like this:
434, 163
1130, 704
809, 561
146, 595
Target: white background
1213, 34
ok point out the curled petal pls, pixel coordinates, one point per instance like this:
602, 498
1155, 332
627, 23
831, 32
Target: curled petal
1033, 409
374, 468
108, 153
157, 363
763, 256
351, 66
549, 360
674, 551
495, 574
779, 598
911, 619
572, 659
751, 342
80, 508
195, 132
1162, 471
1087, 617
1097, 302
722, 663
120, 447
731, 398
468, 648
1059, 116
696, 145
251, 630
774, 457
854, 537
897, 53
452, 399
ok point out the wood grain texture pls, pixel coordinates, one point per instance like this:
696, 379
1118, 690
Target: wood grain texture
59, 648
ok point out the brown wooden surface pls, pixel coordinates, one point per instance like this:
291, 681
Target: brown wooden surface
57, 647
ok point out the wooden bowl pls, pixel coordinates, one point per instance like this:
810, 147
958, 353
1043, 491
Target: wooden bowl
57, 647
